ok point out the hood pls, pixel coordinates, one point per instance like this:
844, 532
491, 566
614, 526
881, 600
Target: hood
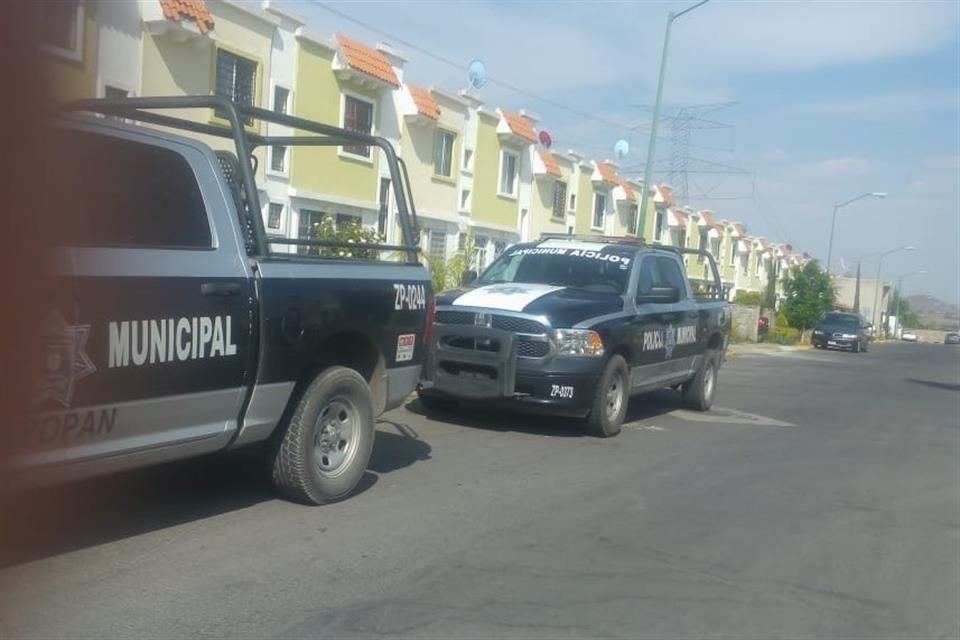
563, 306
837, 328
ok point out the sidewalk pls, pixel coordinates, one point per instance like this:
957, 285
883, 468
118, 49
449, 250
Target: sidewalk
763, 348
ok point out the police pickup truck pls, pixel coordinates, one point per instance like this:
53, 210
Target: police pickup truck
576, 326
178, 328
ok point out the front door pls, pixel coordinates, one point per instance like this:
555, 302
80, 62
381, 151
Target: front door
147, 340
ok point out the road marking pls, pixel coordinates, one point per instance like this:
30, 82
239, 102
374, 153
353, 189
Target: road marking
643, 427
729, 416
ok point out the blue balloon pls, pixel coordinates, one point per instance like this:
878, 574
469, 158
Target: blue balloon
621, 149
477, 73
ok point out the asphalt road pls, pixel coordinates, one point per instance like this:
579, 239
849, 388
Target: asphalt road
820, 499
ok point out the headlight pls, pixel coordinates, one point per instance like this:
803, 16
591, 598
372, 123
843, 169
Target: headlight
578, 342
817, 332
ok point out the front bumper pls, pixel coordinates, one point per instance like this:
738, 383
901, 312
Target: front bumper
495, 374
832, 342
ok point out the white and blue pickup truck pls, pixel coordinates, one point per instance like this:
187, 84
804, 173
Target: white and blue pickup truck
576, 326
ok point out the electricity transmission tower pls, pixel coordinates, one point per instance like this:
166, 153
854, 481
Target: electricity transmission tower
683, 121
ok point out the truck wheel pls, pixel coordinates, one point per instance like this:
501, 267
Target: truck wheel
610, 399
698, 392
325, 447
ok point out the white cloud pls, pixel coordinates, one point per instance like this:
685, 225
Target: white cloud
904, 104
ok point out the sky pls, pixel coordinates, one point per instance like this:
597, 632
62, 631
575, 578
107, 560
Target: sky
830, 99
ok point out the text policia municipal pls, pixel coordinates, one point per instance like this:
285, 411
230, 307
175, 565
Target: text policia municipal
138, 342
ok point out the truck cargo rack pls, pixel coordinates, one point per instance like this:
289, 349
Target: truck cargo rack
235, 115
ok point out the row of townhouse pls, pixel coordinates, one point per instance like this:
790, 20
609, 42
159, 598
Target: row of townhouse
476, 170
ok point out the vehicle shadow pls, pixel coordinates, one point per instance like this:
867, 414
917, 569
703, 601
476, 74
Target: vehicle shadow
47, 521
477, 416
946, 386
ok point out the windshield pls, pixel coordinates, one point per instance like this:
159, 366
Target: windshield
587, 270
841, 320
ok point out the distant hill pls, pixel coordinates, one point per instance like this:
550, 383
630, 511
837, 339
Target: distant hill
935, 313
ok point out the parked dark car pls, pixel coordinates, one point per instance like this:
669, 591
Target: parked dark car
842, 331
951, 338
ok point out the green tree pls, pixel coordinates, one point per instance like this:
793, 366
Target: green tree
770, 294
809, 294
908, 318
448, 274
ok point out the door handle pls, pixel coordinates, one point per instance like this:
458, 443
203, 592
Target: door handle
220, 288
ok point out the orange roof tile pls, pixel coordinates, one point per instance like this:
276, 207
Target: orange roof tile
550, 162
519, 125
681, 218
193, 10
607, 173
742, 230
628, 189
426, 103
360, 57
707, 216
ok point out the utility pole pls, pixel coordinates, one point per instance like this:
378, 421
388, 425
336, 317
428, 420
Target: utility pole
856, 291
651, 149
877, 285
833, 221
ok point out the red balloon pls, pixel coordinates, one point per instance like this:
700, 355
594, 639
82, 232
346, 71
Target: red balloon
545, 139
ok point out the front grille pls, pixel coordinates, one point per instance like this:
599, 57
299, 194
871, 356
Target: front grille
455, 317
532, 348
512, 324
517, 325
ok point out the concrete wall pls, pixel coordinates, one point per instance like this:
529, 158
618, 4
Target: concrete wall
744, 322
119, 57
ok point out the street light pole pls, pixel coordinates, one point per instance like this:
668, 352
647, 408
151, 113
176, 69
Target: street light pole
833, 221
900, 297
877, 285
651, 148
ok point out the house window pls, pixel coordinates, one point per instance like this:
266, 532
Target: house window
599, 204
509, 164
236, 80
275, 216
573, 201
382, 214
278, 158
464, 199
357, 116
467, 159
438, 245
344, 220
480, 244
632, 219
682, 238
733, 253
443, 153
114, 93
658, 226
306, 229
559, 198
61, 27
281, 95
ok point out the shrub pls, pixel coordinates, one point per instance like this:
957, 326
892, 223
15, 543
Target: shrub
747, 298
350, 233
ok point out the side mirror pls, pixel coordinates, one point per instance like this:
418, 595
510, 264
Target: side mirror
467, 277
661, 295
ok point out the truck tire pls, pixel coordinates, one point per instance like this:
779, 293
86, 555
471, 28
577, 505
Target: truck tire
610, 399
698, 392
324, 448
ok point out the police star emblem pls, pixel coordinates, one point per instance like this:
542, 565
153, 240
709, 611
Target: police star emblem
669, 341
64, 360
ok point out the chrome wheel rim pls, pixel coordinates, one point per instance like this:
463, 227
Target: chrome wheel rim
614, 396
334, 440
709, 380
